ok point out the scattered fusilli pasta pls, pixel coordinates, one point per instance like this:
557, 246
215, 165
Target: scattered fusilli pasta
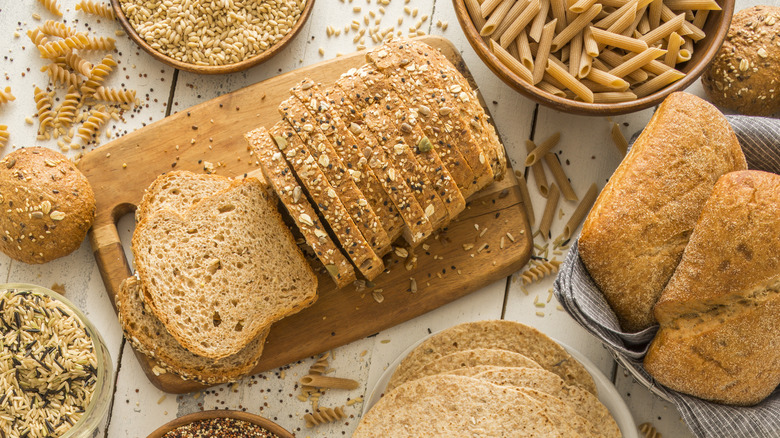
78, 64
67, 111
37, 37
56, 48
61, 75
323, 416
100, 43
45, 114
115, 96
95, 8
51, 6
3, 135
648, 431
539, 270
57, 29
6, 96
91, 126
97, 76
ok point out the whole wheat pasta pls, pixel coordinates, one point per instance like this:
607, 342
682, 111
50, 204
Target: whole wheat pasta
57, 29
95, 8
521, 22
613, 59
475, 13
581, 6
543, 52
100, 43
56, 48
511, 62
614, 16
510, 17
97, 76
79, 64
672, 48
91, 127
637, 62
687, 46
37, 37
51, 6
550, 88
59, 75
536, 155
538, 171
575, 27
614, 97
618, 40
558, 9
620, 140
320, 381
643, 27
658, 82
488, 6
560, 176
680, 5
654, 13
700, 18
524, 51
43, 105
4, 135
609, 80
514, 52
528, 206
569, 81
114, 95
535, 32
67, 110
586, 63
580, 212
589, 43
575, 55
688, 29
684, 54
549, 211
624, 21
663, 30
324, 415
6, 96
495, 18
596, 88
538, 270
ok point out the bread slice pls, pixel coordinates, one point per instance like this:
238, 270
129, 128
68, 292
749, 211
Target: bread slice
376, 120
331, 166
282, 180
417, 227
459, 90
327, 201
347, 147
178, 190
150, 337
424, 88
403, 123
220, 273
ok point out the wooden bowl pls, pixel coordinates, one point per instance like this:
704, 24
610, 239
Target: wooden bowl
715, 28
215, 69
206, 415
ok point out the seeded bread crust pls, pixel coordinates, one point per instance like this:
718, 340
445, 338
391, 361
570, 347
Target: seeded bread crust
150, 337
418, 227
335, 172
375, 119
415, 79
178, 191
280, 176
47, 204
405, 123
348, 148
460, 91
327, 201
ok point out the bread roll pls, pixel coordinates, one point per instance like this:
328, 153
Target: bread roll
635, 234
720, 313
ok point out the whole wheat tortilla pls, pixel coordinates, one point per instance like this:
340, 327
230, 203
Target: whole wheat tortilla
458, 406
470, 358
496, 334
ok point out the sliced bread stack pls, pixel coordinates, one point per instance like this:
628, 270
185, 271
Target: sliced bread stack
489, 378
393, 148
215, 267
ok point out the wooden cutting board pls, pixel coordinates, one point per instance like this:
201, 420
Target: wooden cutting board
475, 250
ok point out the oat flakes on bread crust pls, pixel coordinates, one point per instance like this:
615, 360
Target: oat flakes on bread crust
720, 313
48, 205
199, 269
496, 334
635, 234
150, 337
456, 406
744, 76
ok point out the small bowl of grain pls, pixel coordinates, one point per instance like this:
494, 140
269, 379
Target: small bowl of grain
54, 362
212, 37
221, 423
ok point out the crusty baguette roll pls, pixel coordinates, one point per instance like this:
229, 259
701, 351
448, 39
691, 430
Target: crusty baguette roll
635, 234
720, 313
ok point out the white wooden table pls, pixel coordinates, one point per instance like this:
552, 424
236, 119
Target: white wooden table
138, 408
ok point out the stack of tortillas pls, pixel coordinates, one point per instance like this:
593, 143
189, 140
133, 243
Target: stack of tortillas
489, 378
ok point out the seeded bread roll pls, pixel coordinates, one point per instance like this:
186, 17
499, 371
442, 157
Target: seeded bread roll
744, 75
48, 205
636, 231
720, 314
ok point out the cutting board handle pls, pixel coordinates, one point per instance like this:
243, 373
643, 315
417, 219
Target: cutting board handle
110, 257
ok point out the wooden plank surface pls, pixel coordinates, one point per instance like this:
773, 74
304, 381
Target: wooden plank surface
209, 136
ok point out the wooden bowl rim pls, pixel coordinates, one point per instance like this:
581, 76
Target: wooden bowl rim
584, 108
213, 69
207, 415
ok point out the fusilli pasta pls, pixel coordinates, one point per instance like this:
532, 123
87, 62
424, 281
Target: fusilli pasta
100, 43
51, 6
95, 8
3, 135
56, 28
323, 416
64, 46
92, 126
79, 64
97, 76
6, 96
114, 95
539, 270
60, 75
37, 37
67, 111
45, 114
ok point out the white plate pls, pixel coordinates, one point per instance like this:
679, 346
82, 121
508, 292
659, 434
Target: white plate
608, 395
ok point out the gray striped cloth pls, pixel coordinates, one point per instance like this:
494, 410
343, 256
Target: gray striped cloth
581, 298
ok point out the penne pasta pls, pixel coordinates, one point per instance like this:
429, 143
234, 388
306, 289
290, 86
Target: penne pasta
700, 18
637, 62
681, 5
320, 381
684, 55
613, 59
543, 52
528, 206
558, 8
624, 21
550, 88
525, 17
575, 55
554, 164
488, 6
539, 21
581, 6
591, 46
538, 171
596, 88
569, 81
643, 27
620, 140
586, 62
511, 62
610, 19
672, 48
576, 218
629, 31
575, 27
663, 30
658, 82
524, 51
656, 67
511, 16
535, 155
613, 97
616, 40
607, 79
549, 211
495, 18
475, 12
688, 29
654, 13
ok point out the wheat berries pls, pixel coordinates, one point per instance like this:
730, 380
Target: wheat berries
215, 32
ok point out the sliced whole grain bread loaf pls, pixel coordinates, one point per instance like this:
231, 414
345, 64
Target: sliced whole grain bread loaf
178, 191
149, 336
220, 273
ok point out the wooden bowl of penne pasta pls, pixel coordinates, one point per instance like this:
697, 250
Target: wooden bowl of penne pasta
596, 57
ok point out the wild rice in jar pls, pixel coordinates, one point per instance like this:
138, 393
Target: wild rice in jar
212, 32
48, 366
